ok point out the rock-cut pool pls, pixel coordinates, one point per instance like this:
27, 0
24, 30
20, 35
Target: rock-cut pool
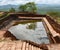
31, 31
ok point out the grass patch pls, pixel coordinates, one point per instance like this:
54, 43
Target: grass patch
55, 16
4, 16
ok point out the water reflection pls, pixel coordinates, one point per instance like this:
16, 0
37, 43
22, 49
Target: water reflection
30, 31
31, 26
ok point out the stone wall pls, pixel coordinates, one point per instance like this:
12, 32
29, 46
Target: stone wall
54, 24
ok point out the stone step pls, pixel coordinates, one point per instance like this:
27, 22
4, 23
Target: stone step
17, 45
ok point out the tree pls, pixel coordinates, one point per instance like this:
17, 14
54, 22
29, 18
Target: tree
12, 10
28, 7
31, 7
22, 8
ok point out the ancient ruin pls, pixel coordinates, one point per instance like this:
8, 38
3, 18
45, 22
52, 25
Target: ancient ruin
51, 26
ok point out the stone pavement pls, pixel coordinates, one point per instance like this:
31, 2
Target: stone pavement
53, 47
21, 45
17, 45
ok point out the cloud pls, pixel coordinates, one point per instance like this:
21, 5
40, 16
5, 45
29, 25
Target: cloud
4, 2
48, 1
16, 2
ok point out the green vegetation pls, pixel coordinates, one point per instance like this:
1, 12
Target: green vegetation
28, 7
31, 7
1, 15
4, 16
55, 15
32, 26
12, 10
22, 8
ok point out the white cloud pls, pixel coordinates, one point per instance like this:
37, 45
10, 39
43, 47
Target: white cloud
49, 1
15, 2
4, 2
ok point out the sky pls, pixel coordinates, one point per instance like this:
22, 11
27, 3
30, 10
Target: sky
17, 2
